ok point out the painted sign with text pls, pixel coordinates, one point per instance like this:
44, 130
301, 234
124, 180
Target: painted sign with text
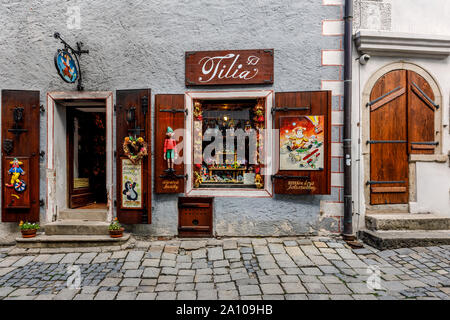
204, 68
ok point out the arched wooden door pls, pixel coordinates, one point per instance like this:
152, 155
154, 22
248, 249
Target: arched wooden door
401, 122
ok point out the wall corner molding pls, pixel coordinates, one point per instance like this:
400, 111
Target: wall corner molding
395, 44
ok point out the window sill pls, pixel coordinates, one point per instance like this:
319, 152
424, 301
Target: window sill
442, 158
241, 193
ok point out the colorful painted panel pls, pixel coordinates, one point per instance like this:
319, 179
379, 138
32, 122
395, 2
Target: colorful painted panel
131, 185
301, 143
15, 182
66, 66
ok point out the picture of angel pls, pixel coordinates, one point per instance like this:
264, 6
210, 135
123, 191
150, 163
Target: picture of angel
301, 143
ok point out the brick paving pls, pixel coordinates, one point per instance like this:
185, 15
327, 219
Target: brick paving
229, 269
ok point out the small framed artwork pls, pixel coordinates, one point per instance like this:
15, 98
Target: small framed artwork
302, 143
131, 184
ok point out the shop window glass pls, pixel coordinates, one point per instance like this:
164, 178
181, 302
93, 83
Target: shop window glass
227, 143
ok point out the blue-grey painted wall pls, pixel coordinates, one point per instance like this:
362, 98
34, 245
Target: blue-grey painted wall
141, 44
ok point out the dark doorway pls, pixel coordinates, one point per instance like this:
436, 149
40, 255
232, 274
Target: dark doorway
86, 150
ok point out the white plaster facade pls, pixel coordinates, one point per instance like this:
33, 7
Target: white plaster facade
401, 23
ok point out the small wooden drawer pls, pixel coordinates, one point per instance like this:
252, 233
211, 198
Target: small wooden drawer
195, 217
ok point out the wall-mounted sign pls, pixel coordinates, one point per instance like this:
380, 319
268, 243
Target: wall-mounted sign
131, 185
302, 143
205, 68
66, 66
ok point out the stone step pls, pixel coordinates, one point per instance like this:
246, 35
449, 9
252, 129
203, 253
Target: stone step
407, 221
83, 214
76, 227
382, 239
70, 241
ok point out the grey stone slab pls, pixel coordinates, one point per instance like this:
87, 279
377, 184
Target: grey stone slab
338, 288
229, 244
165, 287
271, 288
151, 272
226, 286
184, 287
199, 254
249, 290
133, 273
228, 295
232, 254
204, 286
66, 294
276, 248
110, 282
167, 279
130, 282
269, 279
187, 295
222, 278
254, 297
315, 287
313, 271
221, 263
293, 287
215, 253
207, 295
135, 256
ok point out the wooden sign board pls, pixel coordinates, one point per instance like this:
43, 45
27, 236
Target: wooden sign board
204, 68
131, 182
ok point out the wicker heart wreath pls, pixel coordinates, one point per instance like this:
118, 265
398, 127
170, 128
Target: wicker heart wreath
135, 148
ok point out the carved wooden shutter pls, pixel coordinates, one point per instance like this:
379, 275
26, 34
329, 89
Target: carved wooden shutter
139, 100
20, 139
289, 113
388, 140
421, 115
170, 112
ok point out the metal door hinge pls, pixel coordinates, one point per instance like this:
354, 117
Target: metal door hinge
286, 109
41, 108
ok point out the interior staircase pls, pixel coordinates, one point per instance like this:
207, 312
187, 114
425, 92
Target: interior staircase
391, 231
75, 228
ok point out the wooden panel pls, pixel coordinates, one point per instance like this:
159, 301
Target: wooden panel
304, 181
205, 68
25, 147
175, 120
420, 115
139, 99
195, 217
388, 189
387, 99
389, 161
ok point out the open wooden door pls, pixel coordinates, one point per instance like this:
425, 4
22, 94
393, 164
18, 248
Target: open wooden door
302, 120
20, 155
134, 182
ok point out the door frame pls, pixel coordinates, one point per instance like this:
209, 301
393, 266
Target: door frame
365, 135
52, 100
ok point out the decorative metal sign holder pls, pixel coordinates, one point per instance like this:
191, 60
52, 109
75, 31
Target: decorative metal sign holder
76, 53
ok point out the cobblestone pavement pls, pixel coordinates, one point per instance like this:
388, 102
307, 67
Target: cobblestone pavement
240, 268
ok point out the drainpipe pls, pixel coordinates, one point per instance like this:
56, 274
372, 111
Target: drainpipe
348, 46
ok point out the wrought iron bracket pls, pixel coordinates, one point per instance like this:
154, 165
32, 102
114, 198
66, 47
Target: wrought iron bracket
77, 53
175, 110
42, 154
385, 141
383, 182
286, 109
284, 177
41, 108
41, 203
173, 176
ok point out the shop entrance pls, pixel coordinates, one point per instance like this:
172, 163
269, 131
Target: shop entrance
86, 162
79, 154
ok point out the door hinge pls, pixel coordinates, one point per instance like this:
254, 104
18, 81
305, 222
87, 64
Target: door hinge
115, 153
41, 108
115, 203
144, 104
42, 154
41, 202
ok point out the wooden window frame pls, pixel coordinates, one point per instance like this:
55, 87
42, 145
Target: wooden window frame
265, 192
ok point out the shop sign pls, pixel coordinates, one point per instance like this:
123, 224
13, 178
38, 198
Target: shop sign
205, 68
66, 66
131, 185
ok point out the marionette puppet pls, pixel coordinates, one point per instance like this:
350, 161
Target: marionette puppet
16, 171
170, 150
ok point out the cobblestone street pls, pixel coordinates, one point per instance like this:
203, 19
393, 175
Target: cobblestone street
240, 268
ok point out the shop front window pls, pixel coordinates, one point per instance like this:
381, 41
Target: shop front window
228, 142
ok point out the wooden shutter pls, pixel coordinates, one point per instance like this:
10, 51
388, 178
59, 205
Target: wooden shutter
20, 139
291, 104
388, 140
170, 112
421, 109
140, 100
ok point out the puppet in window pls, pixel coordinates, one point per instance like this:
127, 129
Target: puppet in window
170, 150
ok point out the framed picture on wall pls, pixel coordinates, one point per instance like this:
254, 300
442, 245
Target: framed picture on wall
302, 143
131, 185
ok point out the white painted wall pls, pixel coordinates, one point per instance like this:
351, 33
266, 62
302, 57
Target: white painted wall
407, 16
